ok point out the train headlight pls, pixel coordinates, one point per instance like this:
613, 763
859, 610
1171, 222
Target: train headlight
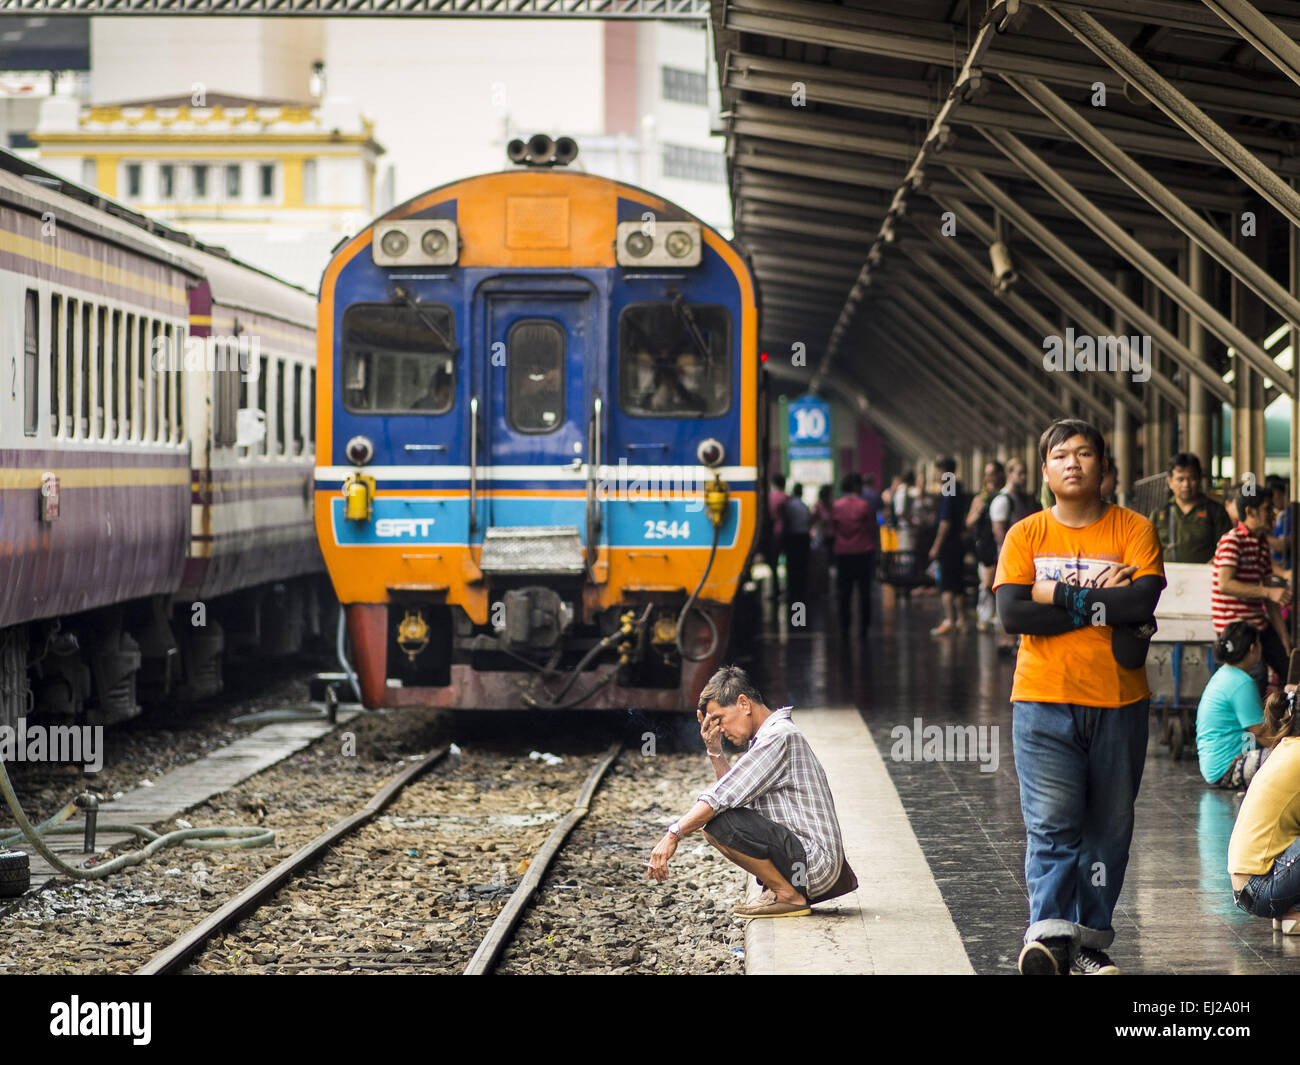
359, 450
394, 243
434, 243
666, 243
711, 453
679, 244
638, 244
415, 242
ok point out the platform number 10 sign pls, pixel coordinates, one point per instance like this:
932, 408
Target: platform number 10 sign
809, 424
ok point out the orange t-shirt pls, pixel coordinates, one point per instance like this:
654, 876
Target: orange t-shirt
1077, 666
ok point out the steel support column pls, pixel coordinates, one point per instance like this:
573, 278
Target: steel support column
1132, 249
1058, 250
1059, 295
1198, 407
1145, 184
1190, 118
1259, 30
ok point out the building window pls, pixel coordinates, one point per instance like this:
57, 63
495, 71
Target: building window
89, 173
684, 86
309, 192
199, 177
693, 164
133, 181
232, 182
266, 181
167, 181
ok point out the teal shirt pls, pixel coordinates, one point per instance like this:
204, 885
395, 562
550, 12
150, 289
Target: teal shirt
1229, 703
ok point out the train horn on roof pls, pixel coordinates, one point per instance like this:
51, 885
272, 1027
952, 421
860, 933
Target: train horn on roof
540, 150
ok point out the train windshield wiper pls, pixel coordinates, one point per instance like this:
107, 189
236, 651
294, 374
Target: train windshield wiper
424, 316
683, 312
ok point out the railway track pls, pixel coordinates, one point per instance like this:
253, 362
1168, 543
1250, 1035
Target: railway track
406, 925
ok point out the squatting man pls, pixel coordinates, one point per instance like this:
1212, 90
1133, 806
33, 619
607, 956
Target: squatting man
772, 812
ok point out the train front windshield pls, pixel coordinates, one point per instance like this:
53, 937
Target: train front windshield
675, 360
398, 360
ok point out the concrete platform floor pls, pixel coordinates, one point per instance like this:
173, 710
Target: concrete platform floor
1175, 913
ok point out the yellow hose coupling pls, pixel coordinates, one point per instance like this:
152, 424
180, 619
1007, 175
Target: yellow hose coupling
358, 497
715, 500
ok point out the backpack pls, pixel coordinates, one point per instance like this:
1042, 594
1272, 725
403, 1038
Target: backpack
986, 545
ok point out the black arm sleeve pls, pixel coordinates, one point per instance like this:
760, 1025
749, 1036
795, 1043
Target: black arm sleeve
1129, 605
1019, 613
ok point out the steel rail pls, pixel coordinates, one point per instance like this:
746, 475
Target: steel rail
182, 950
498, 935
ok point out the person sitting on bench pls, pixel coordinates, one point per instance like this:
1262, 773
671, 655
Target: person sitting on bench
1264, 851
1230, 714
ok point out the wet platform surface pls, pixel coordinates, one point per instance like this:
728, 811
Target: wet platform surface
1175, 914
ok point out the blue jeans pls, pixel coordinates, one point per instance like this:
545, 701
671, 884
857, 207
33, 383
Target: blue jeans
1080, 768
1273, 893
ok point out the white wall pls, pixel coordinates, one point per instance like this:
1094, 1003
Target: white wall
136, 58
440, 92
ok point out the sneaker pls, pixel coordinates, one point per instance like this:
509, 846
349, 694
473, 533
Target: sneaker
942, 629
1045, 957
1092, 962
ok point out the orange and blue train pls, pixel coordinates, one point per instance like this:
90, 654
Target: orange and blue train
538, 460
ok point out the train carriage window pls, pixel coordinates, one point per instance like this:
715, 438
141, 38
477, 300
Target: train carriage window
86, 385
114, 427
56, 305
398, 359
281, 400
263, 372
141, 377
155, 381
101, 379
128, 380
70, 370
169, 373
31, 363
675, 360
535, 368
178, 399
297, 409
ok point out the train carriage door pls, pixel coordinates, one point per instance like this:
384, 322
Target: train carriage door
535, 473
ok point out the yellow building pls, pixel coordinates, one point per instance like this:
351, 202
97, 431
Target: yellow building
278, 182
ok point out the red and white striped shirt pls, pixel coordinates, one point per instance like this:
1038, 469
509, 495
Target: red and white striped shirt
1249, 554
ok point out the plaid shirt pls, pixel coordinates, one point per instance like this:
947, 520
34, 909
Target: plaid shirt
780, 778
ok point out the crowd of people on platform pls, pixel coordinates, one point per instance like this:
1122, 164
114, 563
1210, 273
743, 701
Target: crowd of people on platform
1044, 574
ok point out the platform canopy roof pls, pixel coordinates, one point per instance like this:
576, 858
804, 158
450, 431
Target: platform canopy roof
1136, 159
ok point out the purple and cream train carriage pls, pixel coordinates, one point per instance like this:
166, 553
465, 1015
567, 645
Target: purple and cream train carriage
140, 534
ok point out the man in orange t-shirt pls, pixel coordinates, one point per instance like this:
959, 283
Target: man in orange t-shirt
1080, 583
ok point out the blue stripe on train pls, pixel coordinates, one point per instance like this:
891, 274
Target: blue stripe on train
326, 484
424, 521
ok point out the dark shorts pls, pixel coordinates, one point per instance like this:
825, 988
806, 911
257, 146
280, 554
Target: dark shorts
952, 573
753, 835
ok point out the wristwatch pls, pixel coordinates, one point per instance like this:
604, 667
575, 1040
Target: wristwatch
676, 829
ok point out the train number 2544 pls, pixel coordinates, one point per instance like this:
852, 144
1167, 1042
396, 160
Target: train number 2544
667, 530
